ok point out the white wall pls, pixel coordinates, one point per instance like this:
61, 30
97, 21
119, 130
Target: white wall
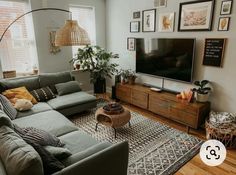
119, 14
45, 21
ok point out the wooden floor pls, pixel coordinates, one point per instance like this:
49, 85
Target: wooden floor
194, 166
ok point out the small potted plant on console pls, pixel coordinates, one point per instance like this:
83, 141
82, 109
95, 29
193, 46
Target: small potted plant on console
131, 77
202, 92
128, 76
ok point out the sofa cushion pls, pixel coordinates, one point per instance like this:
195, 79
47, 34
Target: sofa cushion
50, 121
43, 94
67, 87
5, 120
19, 93
71, 100
18, 157
7, 107
39, 107
81, 146
30, 83
50, 79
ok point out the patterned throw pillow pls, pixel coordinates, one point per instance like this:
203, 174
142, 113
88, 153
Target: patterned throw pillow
38, 136
43, 94
7, 107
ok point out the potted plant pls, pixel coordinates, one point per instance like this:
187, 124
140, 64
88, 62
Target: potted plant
202, 91
128, 76
96, 61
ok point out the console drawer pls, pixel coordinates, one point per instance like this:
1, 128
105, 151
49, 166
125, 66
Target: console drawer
159, 106
139, 98
123, 93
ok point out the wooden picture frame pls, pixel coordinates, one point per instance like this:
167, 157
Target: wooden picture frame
223, 24
134, 26
149, 20
201, 10
166, 22
160, 3
214, 51
226, 7
131, 45
136, 15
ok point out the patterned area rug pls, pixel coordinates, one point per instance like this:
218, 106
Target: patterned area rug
155, 149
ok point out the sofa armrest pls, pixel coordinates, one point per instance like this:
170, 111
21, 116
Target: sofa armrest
110, 161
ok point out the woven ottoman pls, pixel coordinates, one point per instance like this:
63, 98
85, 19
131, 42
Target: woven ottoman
112, 120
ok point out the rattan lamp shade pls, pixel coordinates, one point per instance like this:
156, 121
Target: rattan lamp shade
71, 34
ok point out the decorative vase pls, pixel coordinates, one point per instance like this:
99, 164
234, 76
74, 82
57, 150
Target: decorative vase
202, 97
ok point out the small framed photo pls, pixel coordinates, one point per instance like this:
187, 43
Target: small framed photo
136, 15
160, 3
223, 24
134, 26
166, 22
131, 44
226, 7
149, 20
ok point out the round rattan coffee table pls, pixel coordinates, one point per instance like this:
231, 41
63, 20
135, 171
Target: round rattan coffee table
112, 119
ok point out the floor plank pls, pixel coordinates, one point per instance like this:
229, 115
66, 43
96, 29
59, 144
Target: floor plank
194, 166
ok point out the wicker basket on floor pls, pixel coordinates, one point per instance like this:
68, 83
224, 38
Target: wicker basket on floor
225, 132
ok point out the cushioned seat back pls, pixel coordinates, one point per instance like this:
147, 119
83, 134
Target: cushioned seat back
30, 83
48, 79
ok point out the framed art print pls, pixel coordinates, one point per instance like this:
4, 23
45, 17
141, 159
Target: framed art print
136, 15
223, 24
166, 22
149, 20
196, 15
134, 26
160, 3
226, 7
131, 44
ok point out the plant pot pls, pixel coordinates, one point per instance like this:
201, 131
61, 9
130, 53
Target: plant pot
131, 80
100, 86
202, 97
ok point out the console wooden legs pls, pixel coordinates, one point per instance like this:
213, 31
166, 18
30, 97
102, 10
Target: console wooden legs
187, 128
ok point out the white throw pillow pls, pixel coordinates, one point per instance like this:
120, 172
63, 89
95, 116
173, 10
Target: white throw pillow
23, 105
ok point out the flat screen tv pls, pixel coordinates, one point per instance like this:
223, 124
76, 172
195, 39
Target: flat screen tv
170, 58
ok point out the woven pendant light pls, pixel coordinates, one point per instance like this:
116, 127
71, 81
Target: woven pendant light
71, 34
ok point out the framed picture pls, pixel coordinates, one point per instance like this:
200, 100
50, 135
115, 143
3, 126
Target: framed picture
136, 15
214, 51
149, 20
166, 22
160, 3
196, 15
131, 44
134, 26
223, 24
226, 7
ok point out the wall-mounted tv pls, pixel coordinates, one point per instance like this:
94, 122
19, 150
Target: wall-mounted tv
170, 58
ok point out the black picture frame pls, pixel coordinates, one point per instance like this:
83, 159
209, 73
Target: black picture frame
136, 15
230, 10
214, 52
130, 47
227, 24
146, 28
210, 16
134, 30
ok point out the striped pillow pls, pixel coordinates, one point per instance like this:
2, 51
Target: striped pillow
43, 94
43, 138
7, 107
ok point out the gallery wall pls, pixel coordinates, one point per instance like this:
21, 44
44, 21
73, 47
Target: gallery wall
45, 21
119, 14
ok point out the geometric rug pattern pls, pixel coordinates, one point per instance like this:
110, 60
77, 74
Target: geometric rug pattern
154, 148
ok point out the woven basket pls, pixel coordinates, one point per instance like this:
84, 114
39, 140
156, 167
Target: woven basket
226, 133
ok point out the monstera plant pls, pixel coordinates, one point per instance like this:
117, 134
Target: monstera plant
97, 61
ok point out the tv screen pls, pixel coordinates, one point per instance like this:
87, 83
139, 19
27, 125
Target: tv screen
168, 58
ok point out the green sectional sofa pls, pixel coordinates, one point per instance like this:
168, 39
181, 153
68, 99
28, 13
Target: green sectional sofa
89, 157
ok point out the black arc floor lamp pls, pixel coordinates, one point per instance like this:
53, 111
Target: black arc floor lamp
70, 34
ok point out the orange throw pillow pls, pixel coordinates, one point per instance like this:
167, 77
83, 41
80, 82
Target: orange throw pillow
19, 93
